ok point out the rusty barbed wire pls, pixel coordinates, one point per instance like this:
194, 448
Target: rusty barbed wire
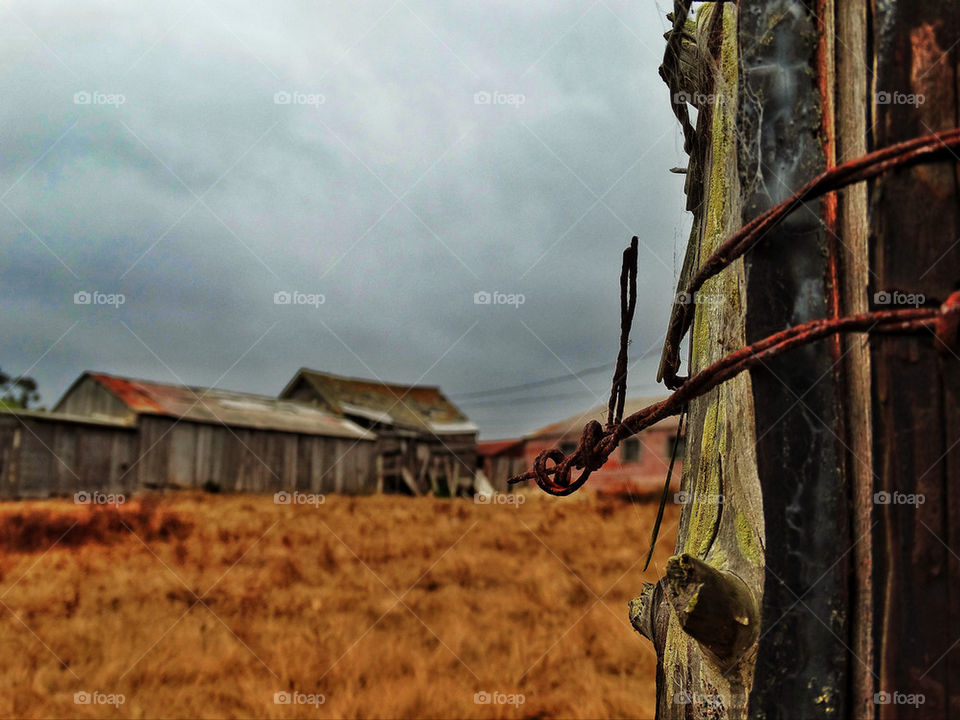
597, 443
628, 304
919, 150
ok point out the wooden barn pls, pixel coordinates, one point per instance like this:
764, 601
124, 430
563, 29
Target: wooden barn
425, 443
186, 437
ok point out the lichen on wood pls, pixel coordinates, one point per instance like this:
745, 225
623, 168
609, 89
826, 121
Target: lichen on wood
700, 673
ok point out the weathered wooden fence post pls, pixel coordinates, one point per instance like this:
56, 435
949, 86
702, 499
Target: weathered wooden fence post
802, 587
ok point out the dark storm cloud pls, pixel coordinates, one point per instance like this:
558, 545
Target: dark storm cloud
395, 158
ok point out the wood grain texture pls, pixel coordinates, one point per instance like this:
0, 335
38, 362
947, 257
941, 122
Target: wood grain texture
916, 225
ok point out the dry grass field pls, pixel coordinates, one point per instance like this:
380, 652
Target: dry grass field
207, 606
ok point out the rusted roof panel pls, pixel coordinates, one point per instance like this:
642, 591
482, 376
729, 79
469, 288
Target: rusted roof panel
223, 407
421, 407
491, 448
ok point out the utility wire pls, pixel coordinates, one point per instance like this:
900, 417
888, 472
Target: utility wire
535, 383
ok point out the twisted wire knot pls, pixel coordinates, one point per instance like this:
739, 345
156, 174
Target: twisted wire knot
591, 454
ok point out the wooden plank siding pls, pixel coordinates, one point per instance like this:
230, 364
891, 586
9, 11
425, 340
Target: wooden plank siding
201, 456
48, 456
915, 225
55, 456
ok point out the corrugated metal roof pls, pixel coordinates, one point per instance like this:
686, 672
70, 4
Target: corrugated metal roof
213, 406
572, 427
421, 407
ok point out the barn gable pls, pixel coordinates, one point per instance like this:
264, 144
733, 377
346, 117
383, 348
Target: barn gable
419, 408
87, 397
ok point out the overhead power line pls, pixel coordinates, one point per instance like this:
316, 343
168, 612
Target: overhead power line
536, 383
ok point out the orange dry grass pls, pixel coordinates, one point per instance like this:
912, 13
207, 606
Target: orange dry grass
387, 606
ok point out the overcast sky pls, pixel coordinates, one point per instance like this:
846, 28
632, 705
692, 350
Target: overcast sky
391, 159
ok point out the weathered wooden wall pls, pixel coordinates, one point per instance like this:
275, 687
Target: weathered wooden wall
40, 457
195, 455
915, 228
88, 398
500, 468
43, 456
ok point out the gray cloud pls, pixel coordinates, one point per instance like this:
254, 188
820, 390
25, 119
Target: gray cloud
395, 194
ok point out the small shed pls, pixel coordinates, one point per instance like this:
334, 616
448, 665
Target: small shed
425, 443
193, 437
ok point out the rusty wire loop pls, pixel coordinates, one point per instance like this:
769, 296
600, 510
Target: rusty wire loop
553, 470
628, 304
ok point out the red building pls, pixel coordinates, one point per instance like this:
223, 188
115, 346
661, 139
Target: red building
637, 467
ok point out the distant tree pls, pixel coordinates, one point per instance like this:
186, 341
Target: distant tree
17, 392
